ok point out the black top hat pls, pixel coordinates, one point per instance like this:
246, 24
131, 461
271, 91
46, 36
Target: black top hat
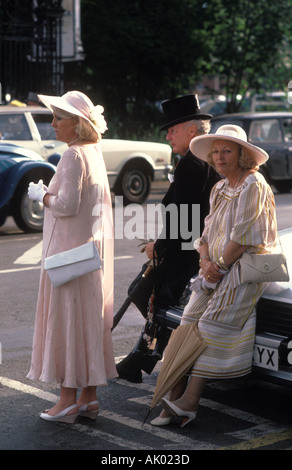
182, 109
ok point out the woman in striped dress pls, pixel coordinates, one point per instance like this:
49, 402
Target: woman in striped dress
242, 218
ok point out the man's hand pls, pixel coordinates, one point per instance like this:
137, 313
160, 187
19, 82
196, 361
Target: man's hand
149, 250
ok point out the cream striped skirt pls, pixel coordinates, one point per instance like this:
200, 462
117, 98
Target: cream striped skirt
227, 323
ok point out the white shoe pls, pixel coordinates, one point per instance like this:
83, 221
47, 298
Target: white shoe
61, 417
159, 421
174, 410
92, 414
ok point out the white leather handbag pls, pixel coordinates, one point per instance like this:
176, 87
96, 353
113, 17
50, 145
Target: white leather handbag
68, 265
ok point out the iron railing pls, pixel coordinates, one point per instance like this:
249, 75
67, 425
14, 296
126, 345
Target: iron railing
30, 48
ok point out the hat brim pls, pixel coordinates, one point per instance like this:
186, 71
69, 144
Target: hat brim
60, 103
186, 119
201, 146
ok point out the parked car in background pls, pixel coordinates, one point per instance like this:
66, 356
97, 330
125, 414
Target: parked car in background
272, 359
271, 131
18, 167
131, 165
30, 127
274, 101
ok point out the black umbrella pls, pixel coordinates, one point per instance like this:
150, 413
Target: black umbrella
130, 298
138, 285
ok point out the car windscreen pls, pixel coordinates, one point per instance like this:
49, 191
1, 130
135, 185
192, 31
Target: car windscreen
14, 127
216, 124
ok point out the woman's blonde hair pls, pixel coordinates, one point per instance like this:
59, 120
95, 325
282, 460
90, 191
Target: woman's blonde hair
246, 161
83, 128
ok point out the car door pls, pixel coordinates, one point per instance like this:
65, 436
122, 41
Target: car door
268, 134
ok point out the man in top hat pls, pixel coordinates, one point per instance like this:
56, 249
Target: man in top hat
192, 182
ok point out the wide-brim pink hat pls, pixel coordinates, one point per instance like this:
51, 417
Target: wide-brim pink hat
77, 103
201, 146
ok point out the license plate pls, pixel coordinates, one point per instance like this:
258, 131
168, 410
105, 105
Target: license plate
266, 357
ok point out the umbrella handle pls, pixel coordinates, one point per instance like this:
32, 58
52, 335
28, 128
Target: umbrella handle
147, 271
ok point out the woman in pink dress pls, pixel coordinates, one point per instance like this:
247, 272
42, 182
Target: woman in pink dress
72, 342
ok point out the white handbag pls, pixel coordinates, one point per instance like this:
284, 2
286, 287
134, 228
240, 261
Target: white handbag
68, 265
269, 267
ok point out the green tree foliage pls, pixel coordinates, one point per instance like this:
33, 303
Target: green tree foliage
248, 45
141, 52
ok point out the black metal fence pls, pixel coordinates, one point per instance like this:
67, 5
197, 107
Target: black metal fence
30, 48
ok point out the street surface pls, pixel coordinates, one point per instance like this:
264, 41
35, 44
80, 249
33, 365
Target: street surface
244, 414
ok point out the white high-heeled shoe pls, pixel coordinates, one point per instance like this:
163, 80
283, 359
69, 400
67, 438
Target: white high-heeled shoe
159, 421
92, 414
61, 417
174, 410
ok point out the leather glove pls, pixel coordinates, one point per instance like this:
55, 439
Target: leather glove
37, 191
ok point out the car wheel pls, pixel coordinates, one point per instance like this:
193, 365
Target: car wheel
29, 215
135, 186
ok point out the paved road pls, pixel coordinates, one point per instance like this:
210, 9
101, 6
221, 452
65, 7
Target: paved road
242, 414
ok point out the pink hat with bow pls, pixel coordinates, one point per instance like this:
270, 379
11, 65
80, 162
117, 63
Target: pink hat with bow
79, 104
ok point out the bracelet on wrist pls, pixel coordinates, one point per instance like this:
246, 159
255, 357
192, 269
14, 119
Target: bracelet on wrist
222, 265
203, 257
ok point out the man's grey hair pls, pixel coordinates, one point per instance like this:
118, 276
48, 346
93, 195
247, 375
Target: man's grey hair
203, 125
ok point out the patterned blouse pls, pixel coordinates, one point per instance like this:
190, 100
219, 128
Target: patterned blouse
245, 215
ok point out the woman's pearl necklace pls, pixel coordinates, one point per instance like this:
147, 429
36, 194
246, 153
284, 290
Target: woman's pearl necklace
73, 141
237, 182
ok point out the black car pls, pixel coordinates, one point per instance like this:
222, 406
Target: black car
271, 131
273, 342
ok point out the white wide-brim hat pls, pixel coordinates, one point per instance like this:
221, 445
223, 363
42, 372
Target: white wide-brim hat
79, 104
201, 146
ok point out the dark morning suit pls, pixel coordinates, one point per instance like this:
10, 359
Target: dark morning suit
193, 181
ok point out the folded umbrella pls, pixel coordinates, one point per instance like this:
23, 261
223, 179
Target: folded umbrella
118, 316
184, 347
139, 284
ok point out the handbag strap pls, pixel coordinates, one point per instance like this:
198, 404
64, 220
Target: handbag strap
280, 242
50, 238
52, 235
